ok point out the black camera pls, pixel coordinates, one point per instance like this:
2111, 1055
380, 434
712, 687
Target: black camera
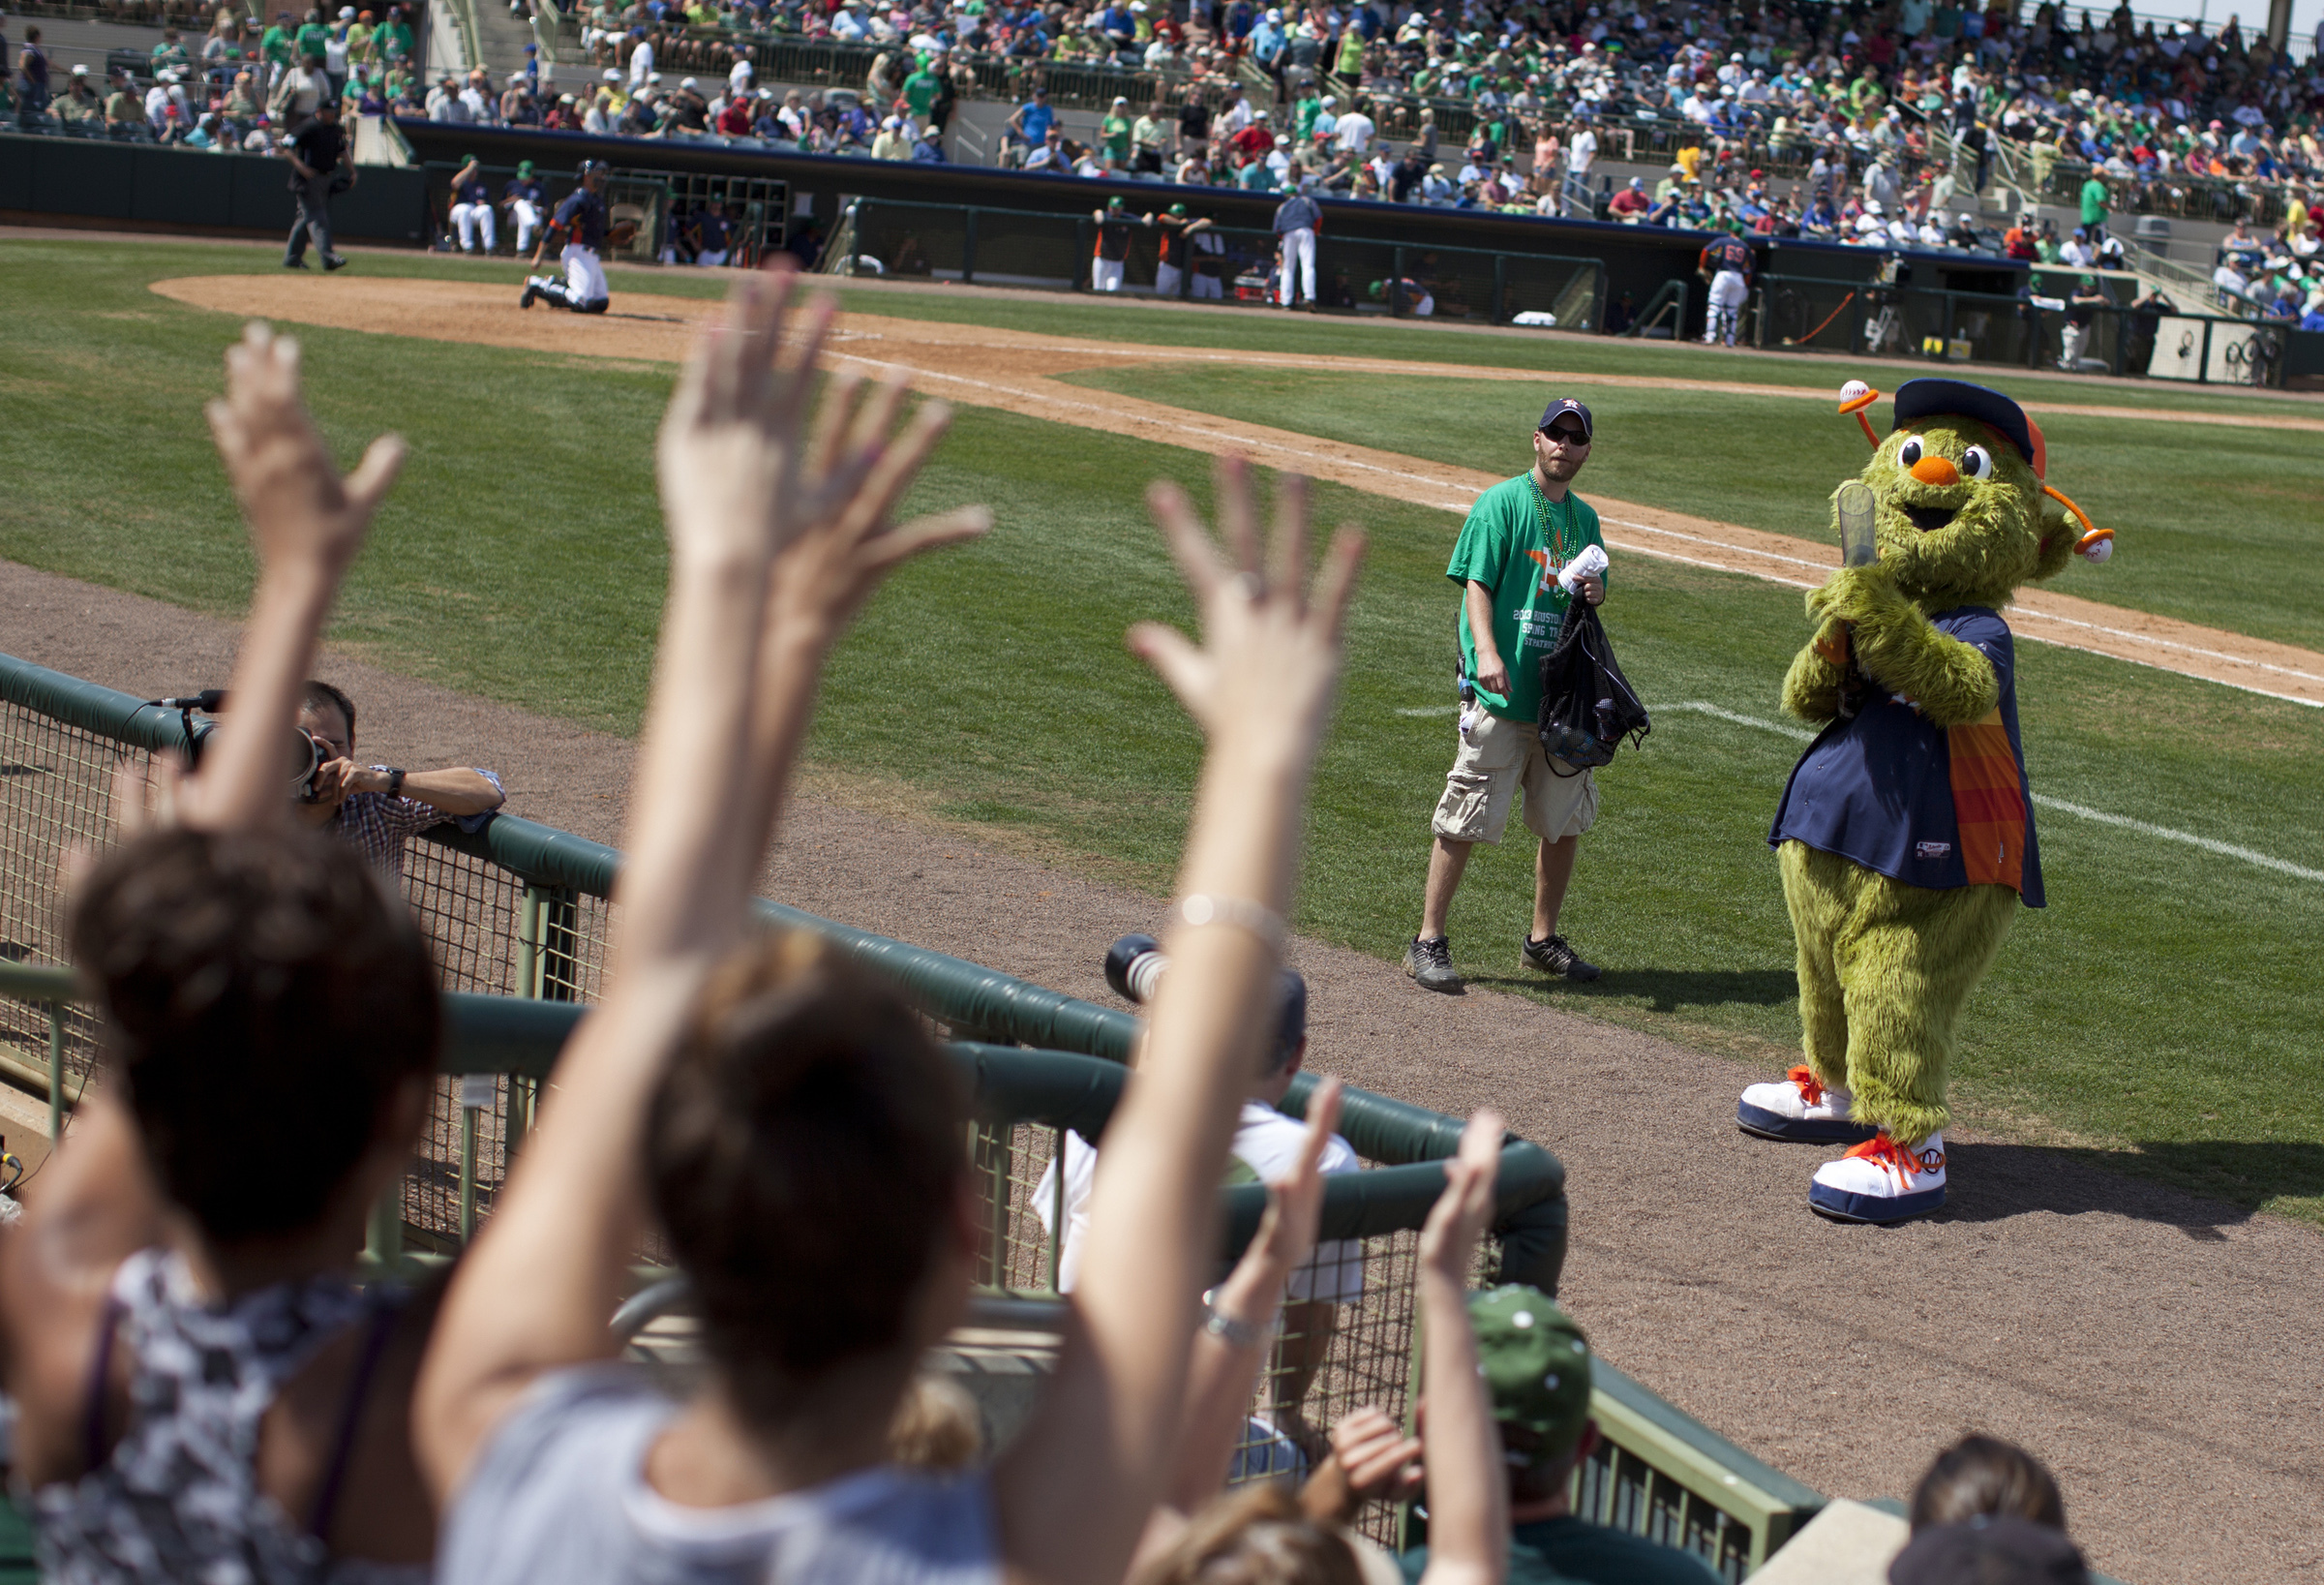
1135, 965
307, 754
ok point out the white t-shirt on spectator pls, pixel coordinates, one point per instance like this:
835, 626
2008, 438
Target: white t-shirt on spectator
1266, 1142
1581, 152
1355, 131
739, 79
559, 1493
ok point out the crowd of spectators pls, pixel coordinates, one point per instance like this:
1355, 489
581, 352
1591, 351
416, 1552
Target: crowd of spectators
1935, 89
238, 85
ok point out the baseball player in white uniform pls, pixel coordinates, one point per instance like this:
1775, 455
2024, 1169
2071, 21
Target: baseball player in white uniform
1728, 262
581, 220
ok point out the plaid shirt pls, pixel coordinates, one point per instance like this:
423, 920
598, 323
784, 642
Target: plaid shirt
381, 825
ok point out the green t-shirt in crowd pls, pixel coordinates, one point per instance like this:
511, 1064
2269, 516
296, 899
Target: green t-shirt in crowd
275, 44
1516, 542
1572, 1551
1114, 133
920, 92
2094, 202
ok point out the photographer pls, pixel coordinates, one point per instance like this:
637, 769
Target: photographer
1267, 1144
1519, 537
378, 807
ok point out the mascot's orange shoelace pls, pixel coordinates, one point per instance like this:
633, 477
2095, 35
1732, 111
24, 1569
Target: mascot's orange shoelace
1810, 1090
1895, 1158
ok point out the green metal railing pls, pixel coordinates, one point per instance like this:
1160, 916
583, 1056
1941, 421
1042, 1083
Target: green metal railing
517, 916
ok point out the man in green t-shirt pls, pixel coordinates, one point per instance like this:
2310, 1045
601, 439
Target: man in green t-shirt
274, 47
1537, 1365
1518, 539
920, 93
2093, 209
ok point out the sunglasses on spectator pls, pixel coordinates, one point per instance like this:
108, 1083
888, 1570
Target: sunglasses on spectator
1569, 435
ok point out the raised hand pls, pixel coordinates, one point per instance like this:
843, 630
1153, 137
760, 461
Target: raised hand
856, 465
1448, 1240
1381, 1462
308, 523
301, 513
1287, 1235
730, 444
1270, 654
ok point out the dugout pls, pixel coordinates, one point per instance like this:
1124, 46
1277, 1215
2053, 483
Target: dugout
1030, 226
45, 178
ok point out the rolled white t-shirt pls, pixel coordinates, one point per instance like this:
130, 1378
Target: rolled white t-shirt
1267, 1142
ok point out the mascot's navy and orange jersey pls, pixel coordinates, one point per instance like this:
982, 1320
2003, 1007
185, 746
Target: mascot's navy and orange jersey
1925, 805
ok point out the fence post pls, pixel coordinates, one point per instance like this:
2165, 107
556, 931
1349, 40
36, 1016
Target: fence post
968, 247
384, 1236
57, 1070
1501, 285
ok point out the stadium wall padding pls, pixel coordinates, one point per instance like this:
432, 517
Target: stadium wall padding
145, 184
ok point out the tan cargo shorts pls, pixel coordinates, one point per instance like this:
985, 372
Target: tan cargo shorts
1497, 759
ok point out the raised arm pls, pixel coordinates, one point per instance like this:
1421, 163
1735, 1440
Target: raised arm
306, 523
1228, 1353
1074, 1491
1467, 1483
535, 1290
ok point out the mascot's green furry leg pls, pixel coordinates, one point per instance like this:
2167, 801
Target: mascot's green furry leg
1884, 969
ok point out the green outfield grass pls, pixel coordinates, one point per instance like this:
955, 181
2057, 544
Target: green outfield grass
2156, 1014
2216, 525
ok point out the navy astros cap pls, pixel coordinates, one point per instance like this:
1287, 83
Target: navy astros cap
1559, 408
1938, 398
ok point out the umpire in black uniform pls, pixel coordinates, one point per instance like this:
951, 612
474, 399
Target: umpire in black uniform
317, 153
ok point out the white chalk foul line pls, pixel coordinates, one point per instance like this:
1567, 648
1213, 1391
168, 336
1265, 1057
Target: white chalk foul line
2081, 811
1277, 449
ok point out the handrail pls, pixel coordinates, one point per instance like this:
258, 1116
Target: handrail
952, 990
1071, 1089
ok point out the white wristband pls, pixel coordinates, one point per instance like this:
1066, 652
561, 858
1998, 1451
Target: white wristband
1201, 908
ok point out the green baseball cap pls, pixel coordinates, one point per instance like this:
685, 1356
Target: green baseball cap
1536, 1363
1114, 202
523, 168
1179, 210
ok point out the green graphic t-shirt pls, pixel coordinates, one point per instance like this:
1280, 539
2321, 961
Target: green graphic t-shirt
1516, 542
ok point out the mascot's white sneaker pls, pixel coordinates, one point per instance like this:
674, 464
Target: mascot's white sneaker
1800, 1110
1882, 1181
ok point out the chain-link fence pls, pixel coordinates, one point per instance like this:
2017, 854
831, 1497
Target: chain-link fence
517, 917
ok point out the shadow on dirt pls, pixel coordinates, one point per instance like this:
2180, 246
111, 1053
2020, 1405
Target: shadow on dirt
1663, 990
2199, 1186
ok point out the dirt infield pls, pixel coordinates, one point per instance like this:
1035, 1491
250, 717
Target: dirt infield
2160, 1351
1011, 371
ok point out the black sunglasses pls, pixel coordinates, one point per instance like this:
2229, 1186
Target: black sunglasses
1571, 437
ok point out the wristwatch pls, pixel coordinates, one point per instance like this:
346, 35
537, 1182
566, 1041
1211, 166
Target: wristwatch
395, 782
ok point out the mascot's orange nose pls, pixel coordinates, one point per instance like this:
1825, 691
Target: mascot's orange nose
1934, 469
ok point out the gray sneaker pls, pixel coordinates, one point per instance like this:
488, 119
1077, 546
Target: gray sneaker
1557, 955
1430, 963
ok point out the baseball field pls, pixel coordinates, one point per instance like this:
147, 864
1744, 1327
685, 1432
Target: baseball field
2154, 1028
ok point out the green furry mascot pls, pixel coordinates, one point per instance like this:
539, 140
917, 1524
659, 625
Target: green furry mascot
1906, 833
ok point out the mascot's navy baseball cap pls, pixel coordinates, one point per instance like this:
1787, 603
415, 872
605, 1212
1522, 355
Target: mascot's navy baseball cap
1939, 398
1560, 408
